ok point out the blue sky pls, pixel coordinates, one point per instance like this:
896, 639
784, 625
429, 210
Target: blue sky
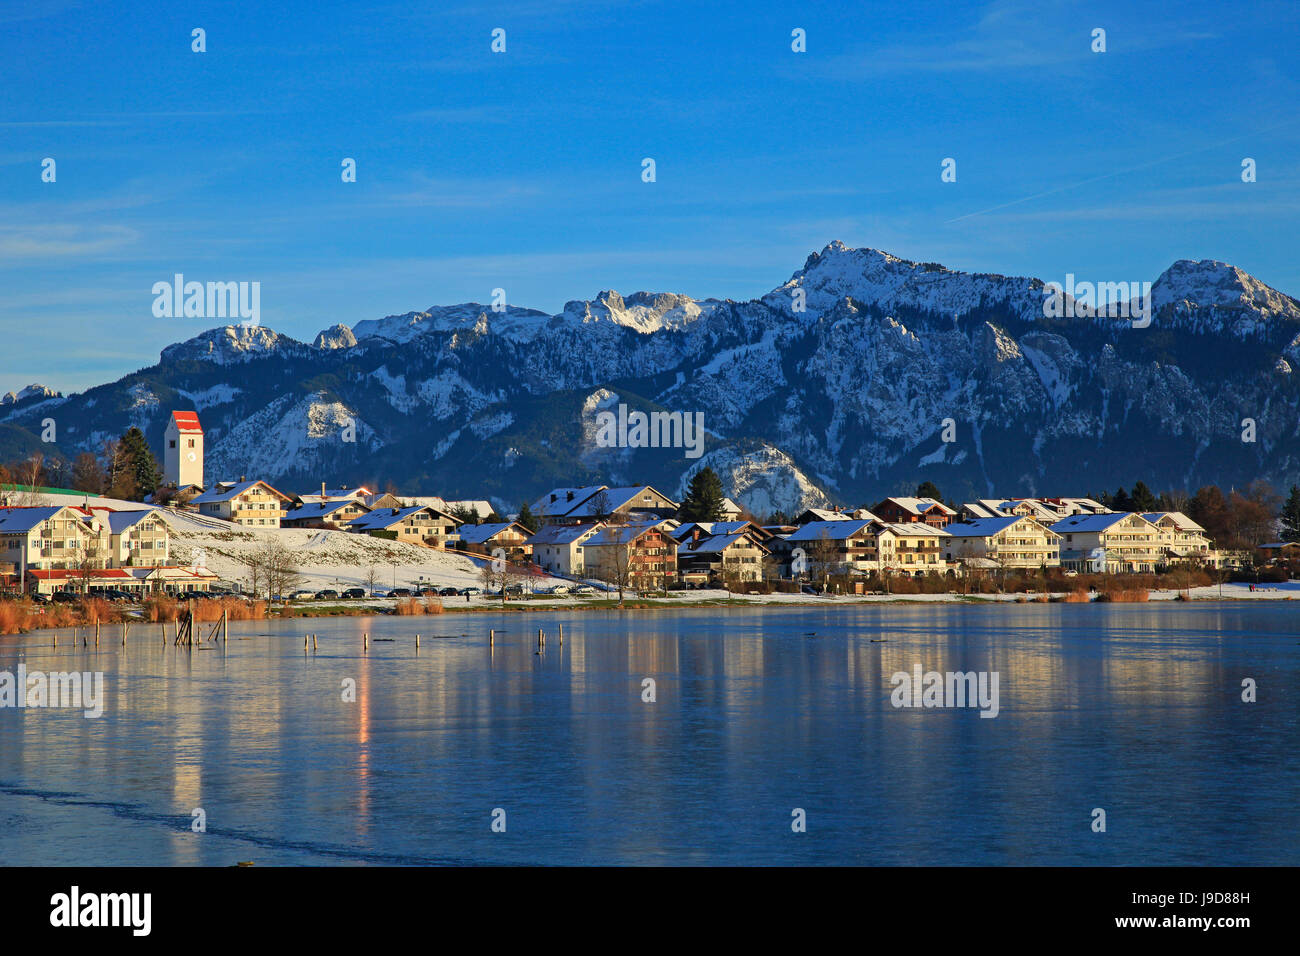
522, 170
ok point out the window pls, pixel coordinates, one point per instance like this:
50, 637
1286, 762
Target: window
191, 444
171, 443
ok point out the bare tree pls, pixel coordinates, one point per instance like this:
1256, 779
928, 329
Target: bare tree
822, 555
371, 581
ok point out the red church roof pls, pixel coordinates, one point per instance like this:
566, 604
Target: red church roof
187, 422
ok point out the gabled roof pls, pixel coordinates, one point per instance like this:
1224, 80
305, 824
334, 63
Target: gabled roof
187, 423
617, 498
915, 529
921, 506
1180, 520
382, 518
483, 533
1086, 523
565, 499
226, 490
982, 527
835, 530
320, 509
562, 533
718, 543
15, 520
622, 533
119, 521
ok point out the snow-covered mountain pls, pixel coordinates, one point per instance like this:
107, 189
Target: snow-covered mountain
859, 376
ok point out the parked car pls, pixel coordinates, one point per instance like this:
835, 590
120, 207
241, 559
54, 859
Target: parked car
354, 594
558, 589
583, 589
469, 592
427, 592
447, 592
65, 597
118, 595
38, 598
400, 592
329, 594
302, 595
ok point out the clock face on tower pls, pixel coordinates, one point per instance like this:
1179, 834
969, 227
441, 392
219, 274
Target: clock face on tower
191, 456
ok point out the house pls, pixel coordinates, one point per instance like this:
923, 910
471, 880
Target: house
558, 501
1276, 551
639, 554
734, 555
682, 532
251, 503
1114, 542
360, 493
183, 451
558, 548
46, 538
730, 510
510, 536
85, 581
332, 514
172, 579
831, 514
822, 548
1181, 539
418, 524
597, 502
930, 511
136, 539
1008, 541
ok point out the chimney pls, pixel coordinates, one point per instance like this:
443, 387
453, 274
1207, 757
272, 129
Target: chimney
569, 496
322, 490
695, 534
552, 499
242, 479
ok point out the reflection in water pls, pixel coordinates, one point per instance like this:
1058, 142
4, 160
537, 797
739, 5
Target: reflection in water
1136, 709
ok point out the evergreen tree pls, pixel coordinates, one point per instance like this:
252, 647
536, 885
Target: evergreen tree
928, 489
1291, 516
141, 466
1120, 501
527, 518
1142, 498
703, 501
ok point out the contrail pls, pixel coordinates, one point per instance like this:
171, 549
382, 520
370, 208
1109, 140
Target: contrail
1119, 172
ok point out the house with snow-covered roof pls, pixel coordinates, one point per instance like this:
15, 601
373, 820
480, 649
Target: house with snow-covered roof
333, 514
510, 536
1114, 542
558, 548
903, 510
1009, 541
418, 524
251, 503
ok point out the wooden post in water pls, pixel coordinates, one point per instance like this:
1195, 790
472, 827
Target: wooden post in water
225, 626
561, 635
124, 627
314, 643
417, 642
492, 637
365, 640
304, 642
97, 631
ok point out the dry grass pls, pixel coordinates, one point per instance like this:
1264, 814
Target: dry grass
409, 606
1077, 596
19, 616
1124, 595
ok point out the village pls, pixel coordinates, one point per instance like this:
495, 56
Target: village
244, 536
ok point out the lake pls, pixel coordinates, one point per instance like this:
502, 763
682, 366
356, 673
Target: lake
1136, 710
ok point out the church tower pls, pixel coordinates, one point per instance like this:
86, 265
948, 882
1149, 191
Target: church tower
183, 458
